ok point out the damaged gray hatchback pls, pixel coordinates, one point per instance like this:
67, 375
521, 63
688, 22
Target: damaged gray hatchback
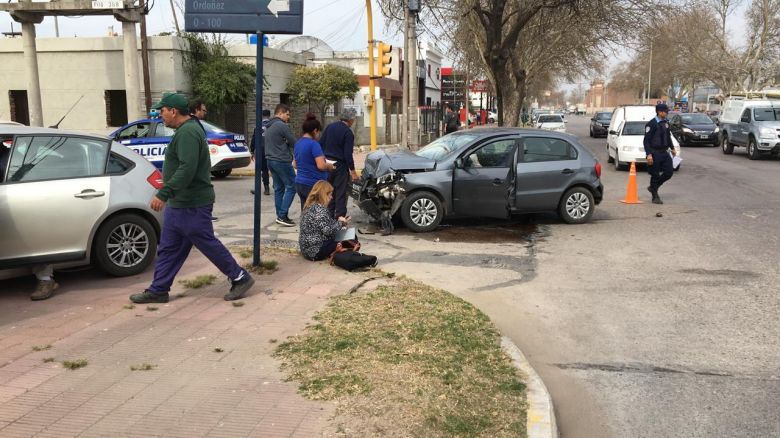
493, 173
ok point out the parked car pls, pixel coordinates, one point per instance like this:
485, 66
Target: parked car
150, 138
493, 172
9, 123
71, 199
694, 129
599, 124
625, 140
492, 116
753, 123
551, 122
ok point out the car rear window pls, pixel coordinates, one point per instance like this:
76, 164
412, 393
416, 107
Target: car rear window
550, 119
212, 128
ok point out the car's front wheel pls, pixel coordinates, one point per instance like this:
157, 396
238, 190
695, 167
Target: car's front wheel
125, 245
576, 206
752, 149
726, 146
422, 212
220, 174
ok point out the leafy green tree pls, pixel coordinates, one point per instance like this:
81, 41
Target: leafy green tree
216, 77
321, 86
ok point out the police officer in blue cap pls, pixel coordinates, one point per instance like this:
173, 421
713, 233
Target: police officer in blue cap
658, 143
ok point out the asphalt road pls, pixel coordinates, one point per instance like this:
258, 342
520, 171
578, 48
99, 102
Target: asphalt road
641, 326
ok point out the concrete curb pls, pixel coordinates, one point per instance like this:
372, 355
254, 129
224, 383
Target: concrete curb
541, 414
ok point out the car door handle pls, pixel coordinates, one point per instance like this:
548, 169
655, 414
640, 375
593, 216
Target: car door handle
89, 194
498, 181
567, 171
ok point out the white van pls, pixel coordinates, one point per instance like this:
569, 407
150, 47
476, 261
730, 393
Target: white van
625, 139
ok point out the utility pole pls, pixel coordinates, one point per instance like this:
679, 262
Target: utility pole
650, 71
176, 20
411, 37
404, 121
371, 81
145, 59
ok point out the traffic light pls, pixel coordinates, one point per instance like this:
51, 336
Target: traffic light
385, 58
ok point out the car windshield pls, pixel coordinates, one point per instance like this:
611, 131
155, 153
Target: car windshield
634, 128
696, 119
603, 116
212, 128
767, 114
550, 119
443, 146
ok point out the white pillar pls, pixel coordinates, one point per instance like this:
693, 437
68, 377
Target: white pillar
132, 74
33, 80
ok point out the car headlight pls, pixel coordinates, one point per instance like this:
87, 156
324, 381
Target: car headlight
687, 130
717, 130
767, 132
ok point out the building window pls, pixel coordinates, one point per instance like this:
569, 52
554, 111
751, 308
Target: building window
20, 111
116, 107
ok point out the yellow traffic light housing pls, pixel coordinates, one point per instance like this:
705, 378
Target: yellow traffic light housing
385, 58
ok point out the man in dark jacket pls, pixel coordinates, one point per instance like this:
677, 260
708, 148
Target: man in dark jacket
279, 143
658, 143
338, 144
263, 161
451, 122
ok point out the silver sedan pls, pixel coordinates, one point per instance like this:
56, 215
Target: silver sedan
71, 199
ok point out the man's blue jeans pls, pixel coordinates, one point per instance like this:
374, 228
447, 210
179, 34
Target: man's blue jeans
284, 186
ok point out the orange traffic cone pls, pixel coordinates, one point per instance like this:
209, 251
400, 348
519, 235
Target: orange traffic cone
631, 194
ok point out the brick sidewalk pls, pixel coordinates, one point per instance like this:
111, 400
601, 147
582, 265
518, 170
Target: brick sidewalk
194, 390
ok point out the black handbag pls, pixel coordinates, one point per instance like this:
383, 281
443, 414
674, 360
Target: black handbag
351, 260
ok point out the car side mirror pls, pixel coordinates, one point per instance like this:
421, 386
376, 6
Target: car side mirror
613, 132
459, 163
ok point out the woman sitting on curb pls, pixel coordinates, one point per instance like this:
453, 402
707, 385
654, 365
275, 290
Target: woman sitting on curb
309, 159
318, 228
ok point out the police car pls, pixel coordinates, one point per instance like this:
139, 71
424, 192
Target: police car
150, 138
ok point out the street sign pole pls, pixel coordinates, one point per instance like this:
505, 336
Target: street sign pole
259, 146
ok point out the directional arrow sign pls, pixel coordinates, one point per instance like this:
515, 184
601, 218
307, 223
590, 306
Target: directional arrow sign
244, 16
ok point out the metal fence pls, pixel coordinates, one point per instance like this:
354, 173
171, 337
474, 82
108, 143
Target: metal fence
430, 123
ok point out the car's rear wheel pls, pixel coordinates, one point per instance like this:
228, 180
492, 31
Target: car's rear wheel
752, 149
422, 212
220, 174
726, 146
125, 245
576, 206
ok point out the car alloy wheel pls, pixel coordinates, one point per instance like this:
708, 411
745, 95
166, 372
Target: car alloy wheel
423, 212
752, 150
727, 147
576, 205
127, 245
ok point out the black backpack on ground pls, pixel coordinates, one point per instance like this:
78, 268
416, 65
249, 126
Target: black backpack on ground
351, 260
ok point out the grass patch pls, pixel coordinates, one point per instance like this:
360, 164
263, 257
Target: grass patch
129, 306
246, 253
143, 367
75, 364
48, 359
414, 360
238, 303
266, 267
152, 308
199, 281
41, 347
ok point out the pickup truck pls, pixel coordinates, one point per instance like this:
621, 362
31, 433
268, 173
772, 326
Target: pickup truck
752, 124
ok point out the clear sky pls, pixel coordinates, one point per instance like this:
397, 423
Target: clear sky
340, 23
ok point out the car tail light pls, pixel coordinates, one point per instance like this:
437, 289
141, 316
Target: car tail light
598, 169
218, 141
155, 179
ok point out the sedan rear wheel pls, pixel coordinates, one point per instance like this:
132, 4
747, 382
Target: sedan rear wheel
220, 174
576, 206
422, 212
125, 245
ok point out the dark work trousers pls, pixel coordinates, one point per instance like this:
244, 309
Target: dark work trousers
341, 181
303, 193
184, 228
326, 250
661, 170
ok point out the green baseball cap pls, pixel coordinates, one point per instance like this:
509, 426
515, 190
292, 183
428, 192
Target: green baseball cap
173, 100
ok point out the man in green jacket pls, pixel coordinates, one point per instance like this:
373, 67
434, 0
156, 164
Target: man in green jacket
188, 199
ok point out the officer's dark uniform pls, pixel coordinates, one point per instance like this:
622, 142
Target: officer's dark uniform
657, 142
